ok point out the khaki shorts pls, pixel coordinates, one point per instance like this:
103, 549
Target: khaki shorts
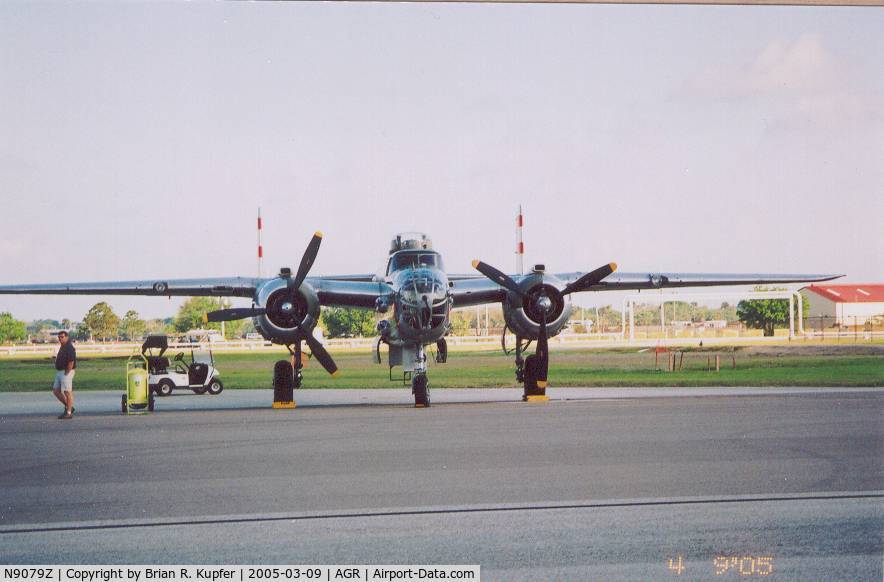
64, 381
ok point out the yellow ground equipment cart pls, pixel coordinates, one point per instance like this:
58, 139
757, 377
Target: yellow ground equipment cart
138, 397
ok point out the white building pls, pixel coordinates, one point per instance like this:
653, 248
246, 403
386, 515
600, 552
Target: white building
845, 304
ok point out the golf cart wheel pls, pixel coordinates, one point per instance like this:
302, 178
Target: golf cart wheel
165, 387
199, 389
124, 404
419, 387
150, 402
215, 387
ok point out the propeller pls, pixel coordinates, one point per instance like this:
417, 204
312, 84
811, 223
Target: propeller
285, 307
498, 277
590, 279
543, 305
234, 314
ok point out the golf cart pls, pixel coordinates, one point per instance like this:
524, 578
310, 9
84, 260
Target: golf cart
198, 373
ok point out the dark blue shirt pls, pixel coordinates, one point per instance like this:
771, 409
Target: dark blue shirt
66, 353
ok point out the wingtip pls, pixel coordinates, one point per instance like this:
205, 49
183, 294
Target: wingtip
318, 233
205, 318
335, 373
475, 263
613, 266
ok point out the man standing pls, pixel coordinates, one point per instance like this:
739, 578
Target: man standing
65, 364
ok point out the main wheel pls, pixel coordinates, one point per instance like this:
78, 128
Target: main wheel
530, 373
283, 377
124, 404
165, 387
421, 391
215, 387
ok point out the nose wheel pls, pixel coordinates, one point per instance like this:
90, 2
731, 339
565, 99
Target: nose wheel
420, 389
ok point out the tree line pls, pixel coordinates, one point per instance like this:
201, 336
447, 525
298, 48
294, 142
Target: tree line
102, 324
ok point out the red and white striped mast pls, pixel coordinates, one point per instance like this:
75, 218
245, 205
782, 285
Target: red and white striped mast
260, 246
520, 244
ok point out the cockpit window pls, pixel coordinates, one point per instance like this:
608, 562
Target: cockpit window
402, 260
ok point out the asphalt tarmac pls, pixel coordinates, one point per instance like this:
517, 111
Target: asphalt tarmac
596, 484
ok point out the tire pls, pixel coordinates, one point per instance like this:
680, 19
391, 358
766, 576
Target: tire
215, 387
283, 377
124, 404
530, 374
165, 387
150, 402
421, 391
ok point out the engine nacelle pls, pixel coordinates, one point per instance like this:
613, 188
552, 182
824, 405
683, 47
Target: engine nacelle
278, 325
522, 316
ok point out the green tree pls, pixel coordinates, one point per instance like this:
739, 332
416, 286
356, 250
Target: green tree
191, 316
39, 325
81, 332
463, 321
102, 322
348, 322
159, 326
132, 327
767, 313
11, 329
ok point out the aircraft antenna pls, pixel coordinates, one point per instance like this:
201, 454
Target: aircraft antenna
260, 246
520, 244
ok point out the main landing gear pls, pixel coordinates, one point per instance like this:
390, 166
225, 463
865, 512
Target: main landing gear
287, 376
527, 373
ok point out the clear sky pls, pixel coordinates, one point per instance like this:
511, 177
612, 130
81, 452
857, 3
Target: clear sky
137, 140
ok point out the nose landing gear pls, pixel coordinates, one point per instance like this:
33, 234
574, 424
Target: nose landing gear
420, 389
419, 380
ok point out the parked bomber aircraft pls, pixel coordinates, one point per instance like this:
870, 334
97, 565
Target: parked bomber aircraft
416, 288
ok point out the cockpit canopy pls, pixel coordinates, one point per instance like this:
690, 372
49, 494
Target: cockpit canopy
414, 260
417, 283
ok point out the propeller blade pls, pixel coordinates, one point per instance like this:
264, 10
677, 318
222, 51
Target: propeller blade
307, 260
233, 314
321, 354
590, 279
498, 277
542, 354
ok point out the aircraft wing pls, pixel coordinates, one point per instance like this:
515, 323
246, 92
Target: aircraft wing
618, 281
476, 290
339, 291
348, 293
214, 287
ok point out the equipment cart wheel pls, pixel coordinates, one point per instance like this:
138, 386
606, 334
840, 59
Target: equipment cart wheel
419, 387
215, 387
124, 404
165, 387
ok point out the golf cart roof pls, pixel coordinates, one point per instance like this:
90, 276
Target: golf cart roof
157, 342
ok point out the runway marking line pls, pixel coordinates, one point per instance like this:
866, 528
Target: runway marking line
416, 512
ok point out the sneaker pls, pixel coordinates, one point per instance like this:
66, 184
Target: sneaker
65, 416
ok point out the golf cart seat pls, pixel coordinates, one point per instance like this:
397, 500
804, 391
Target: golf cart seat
157, 364
197, 373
